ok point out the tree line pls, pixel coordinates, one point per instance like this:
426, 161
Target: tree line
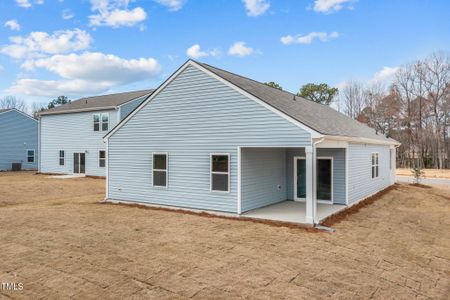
35, 108
414, 109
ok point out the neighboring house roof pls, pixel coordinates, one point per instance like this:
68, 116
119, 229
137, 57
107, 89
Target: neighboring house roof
97, 102
317, 117
5, 110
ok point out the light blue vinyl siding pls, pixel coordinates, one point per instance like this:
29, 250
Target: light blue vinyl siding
17, 134
194, 116
263, 172
361, 183
73, 133
128, 107
338, 155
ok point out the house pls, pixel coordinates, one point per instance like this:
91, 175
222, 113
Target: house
18, 140
71, 134
208, 139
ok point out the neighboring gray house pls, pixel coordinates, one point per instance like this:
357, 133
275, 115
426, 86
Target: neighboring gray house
18, 140
212, 140
71, 135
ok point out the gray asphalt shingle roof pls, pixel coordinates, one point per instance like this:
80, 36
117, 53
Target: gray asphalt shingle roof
319, 117
97, 102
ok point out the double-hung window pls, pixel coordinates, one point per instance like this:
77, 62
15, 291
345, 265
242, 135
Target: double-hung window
105, 122
220, 172
160, 168
375, 166
101, 158
30, 156
62, 157
101, 122
96, 122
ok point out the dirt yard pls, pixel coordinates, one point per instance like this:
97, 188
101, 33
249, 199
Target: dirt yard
429, 173
59, 242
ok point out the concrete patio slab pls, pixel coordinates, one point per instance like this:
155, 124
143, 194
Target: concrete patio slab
292, 211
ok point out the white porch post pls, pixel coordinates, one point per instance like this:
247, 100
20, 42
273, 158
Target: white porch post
310, 199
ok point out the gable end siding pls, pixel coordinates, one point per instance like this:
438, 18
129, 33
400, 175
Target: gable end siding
193, 116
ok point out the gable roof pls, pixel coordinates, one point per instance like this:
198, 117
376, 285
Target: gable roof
5, 110
318, 118
110, 101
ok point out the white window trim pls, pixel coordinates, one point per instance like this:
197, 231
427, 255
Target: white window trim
34, 156
101, 121
59, 157
220, 173
99, 158
296, 158
376, 164
161, 170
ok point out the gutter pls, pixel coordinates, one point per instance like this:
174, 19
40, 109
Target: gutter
362, 140
77, 110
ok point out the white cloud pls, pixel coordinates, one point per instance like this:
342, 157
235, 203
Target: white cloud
89, 72
67, 14
196, 52
328, 6
173, 5
27, 3
23, 3
256, 7
115, 13
240, 49
38, 44
385, 75
1, 68
308, 38
13, 25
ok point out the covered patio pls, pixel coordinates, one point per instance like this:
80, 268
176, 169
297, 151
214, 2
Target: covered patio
292, 212
292, 184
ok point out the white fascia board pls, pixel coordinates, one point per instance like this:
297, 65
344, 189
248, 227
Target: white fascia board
360, 140
314, 134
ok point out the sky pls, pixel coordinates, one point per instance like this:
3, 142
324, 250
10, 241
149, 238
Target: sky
83, 48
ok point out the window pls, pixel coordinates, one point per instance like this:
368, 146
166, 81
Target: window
220, 172
96, 122
62, 157
375, 165
101, 119
101, 158
105, 119
160, 163
30, 156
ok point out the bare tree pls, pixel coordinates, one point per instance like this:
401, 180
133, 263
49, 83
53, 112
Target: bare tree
353, 96
12, 102
37, 107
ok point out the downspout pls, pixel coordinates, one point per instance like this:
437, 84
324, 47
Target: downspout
314, 196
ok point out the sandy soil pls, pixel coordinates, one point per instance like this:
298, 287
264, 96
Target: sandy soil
429, 173
60, 243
